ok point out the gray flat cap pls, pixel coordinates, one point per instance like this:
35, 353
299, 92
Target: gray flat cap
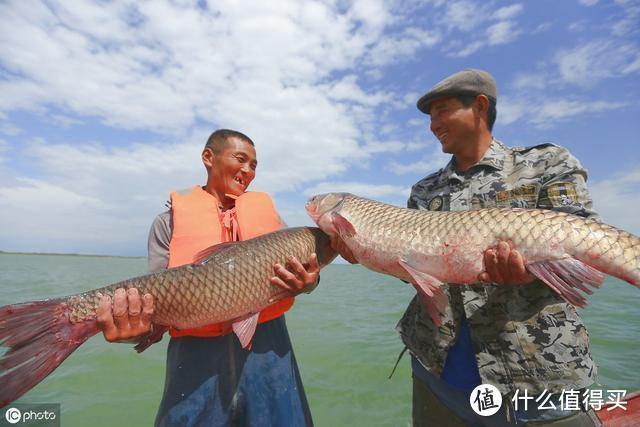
467, 82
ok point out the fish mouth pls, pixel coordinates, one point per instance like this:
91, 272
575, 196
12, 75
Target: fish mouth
320, 205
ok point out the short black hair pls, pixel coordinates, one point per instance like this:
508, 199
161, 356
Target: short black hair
218, 139
491, 113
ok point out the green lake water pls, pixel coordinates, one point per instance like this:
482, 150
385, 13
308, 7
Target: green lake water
343, 335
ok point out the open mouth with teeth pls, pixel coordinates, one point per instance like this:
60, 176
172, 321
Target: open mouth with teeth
239, 180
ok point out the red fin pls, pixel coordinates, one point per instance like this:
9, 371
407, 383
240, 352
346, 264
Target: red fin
155, 336
567, 277
202, 256
342, 225
39, 337
430, 291
245, 328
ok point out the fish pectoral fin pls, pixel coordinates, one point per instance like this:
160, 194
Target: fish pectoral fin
153, 337
342, 225
567, 277
245, 329
203, 256
429, 290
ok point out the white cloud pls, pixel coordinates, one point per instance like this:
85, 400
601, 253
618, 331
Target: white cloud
163, 67
377, 147
550, 111
177, 64
536, 81
508, 12
502, 32
372, 191
588, 3
607, 195
4, 147
627, 23
463, 15
589, 63
9, 128
427, 164
555, 110
489, 28
394, 48
268, 70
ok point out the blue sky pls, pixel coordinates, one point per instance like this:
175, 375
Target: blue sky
105, 106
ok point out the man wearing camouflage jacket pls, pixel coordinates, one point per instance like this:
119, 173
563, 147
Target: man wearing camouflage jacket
517, 338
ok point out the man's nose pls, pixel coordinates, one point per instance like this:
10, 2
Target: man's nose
434, 126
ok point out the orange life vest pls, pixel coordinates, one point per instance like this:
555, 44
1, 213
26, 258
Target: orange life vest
198, 223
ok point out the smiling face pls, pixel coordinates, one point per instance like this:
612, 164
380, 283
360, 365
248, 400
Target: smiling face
453, 124
231, 170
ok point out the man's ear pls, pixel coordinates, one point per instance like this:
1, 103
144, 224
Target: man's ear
207, 157
482, 103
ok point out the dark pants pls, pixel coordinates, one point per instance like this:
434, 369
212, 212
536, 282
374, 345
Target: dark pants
429, 411
215, 382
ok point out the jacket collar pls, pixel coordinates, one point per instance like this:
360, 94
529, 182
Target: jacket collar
493, 158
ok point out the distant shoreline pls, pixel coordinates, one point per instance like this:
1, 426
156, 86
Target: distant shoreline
69, 254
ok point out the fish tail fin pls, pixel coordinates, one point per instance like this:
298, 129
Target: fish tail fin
39, 336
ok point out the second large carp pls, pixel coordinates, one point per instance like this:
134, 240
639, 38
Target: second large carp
427, 248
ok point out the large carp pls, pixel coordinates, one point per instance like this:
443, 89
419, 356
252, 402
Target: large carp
427, 248
227, 282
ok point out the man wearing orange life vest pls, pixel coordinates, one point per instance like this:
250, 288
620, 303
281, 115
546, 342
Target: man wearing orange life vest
210, 379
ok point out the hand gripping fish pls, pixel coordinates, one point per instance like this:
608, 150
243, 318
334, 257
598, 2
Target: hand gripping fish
227, 282
567, 252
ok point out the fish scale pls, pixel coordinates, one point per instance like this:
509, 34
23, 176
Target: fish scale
227, 284
230, 285
429, 248
586, 239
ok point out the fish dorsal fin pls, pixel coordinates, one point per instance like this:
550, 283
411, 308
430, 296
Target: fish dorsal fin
567, 277
245, 328
202, 256
429, 290
342, 225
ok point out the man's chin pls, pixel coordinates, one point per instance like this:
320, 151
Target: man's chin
234, 192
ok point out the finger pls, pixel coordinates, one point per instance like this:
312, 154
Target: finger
491, 266
516, 264
134, 307
145, 316
281, 284
313, 263
484, 277
503, 251
120, 309
296, 267
104, 319
519, 268
103, 313
284, 274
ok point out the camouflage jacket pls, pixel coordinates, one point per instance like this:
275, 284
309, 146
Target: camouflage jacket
524, 337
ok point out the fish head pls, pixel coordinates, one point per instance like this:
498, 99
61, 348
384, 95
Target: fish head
321, 207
